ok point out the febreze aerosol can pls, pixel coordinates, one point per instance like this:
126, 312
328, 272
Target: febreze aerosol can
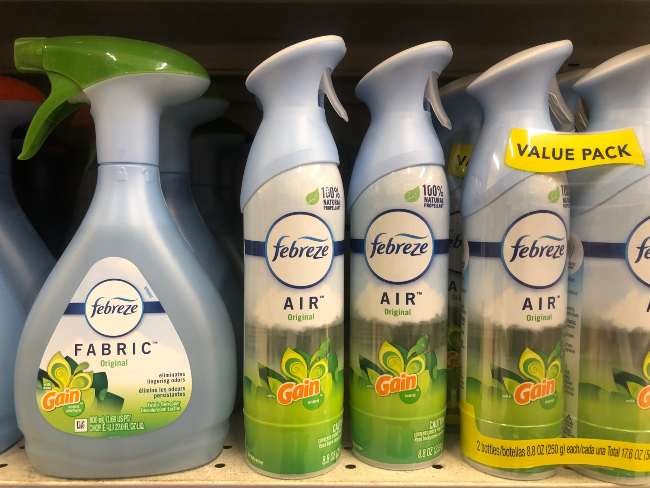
294, 214
608, 350
457, 144
399, 209
176, 126
126, 365
515, 282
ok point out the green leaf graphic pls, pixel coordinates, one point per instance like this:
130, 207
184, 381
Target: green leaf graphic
419, 347
371, 369
416, 364
100, 384
391, 358
555, 353
412, 195
554, 369
646, 366
80, 367
312, 197
634, 389
267, 375
432, 361
59, 371
424, 381
628, 383
332, 363
321, 352
326, 384
507, 378
81, 381
64, 373
532, 366
111, 403
318, 370
294, 365
248, 384
554, 195
372, 376
274, 384
510, 385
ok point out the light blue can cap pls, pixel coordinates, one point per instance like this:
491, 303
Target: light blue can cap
291, 87
401, 132
514, 94
617, 93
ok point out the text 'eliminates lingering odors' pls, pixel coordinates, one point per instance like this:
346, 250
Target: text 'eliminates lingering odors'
551, 152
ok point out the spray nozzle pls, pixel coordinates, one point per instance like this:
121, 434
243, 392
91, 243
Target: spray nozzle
558, 106
76, 63
299, 76
432, 95
327, 87
401, 83
28, 54
521, 83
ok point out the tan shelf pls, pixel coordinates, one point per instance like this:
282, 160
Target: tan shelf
231, 37
230, 469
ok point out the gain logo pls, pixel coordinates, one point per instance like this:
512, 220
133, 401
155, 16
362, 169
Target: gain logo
536, 380
534, 249
303, 377
638, 252
64, 386
299, 249
113, 308
406, 373
399, 246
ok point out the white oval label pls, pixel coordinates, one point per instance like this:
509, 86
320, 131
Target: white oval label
113, 308
534, 249
299, 249
399, 246
638, 252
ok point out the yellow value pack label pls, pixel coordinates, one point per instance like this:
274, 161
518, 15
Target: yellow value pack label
551, 152
533, 453
459, 159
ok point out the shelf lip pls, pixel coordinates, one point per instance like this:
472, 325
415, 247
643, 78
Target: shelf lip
236, 473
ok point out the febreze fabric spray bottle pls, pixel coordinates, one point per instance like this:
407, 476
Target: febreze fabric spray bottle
399, 210
294, 213
176, 126
24, 258
608, 353
466, 119
13, 319
126, 365
217, 153
515, 285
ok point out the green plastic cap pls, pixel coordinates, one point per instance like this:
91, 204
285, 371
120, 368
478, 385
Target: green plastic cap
74, 63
